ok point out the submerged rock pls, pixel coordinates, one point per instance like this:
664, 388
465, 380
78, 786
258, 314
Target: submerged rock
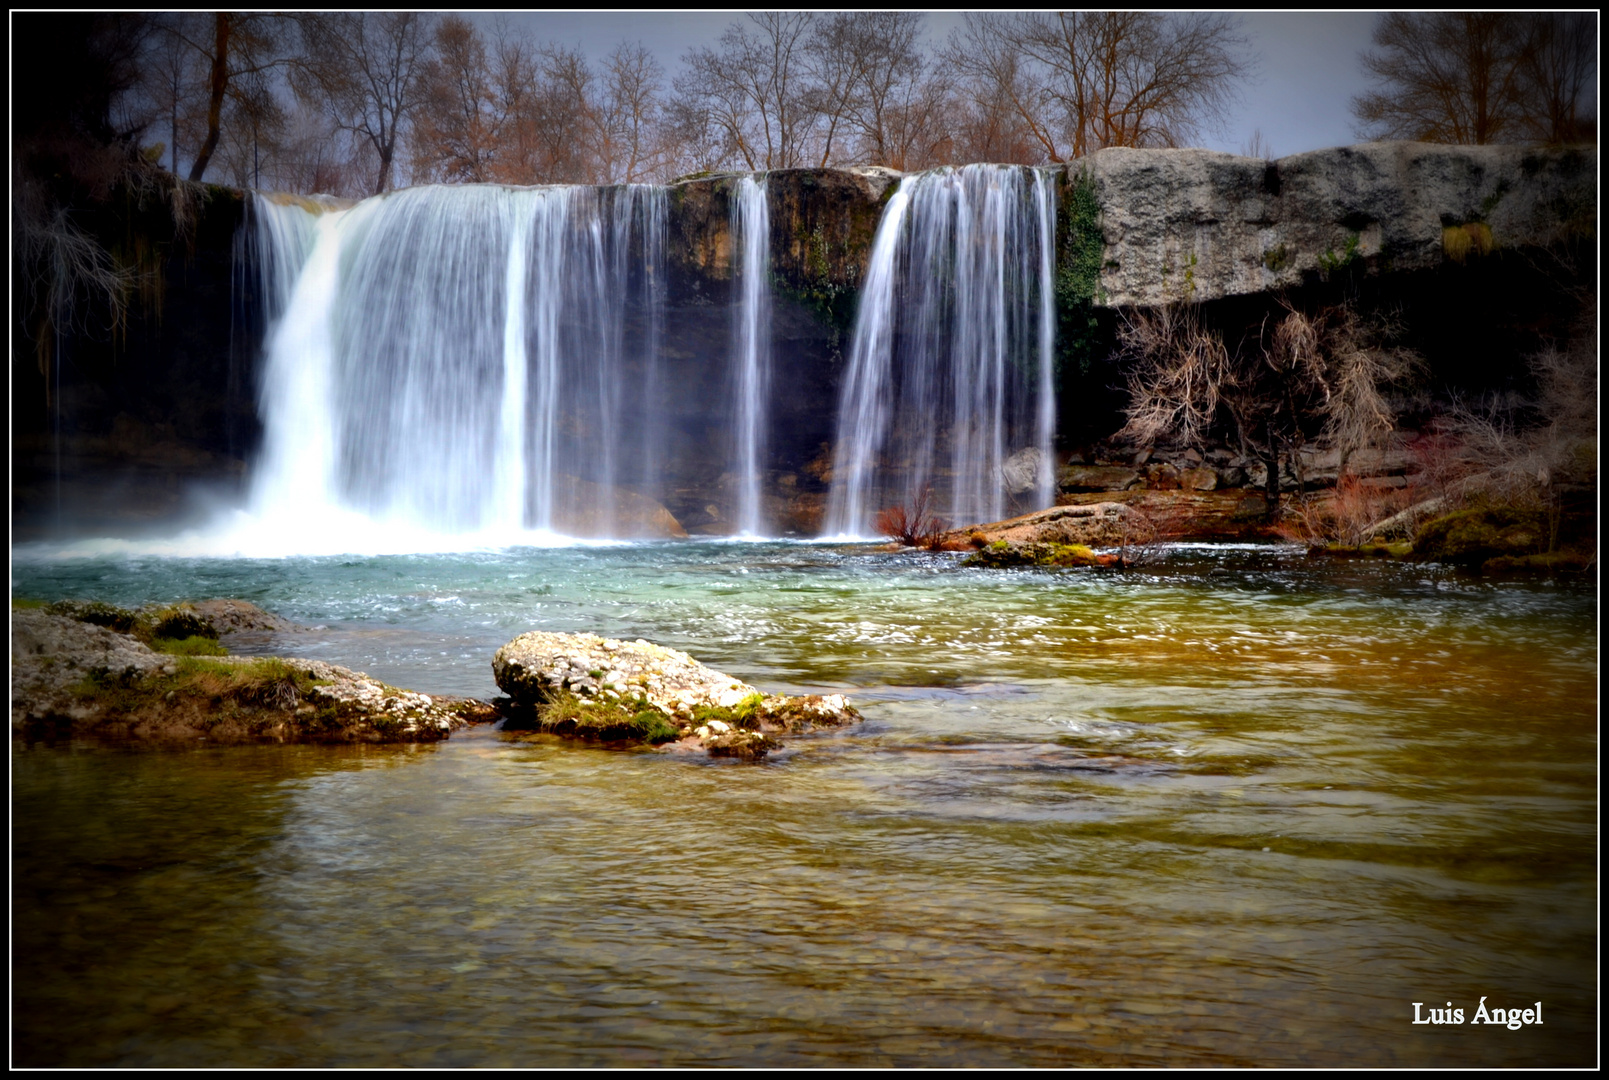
608, 690
74, 678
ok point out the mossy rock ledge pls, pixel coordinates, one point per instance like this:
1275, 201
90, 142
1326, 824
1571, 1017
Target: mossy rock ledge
635, 692
1504, 539
76, 678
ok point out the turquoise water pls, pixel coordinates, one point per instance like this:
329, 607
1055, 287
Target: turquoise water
1239, 807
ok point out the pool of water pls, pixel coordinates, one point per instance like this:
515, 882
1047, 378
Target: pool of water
1235, 808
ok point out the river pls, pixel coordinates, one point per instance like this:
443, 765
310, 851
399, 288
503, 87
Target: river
1237, 807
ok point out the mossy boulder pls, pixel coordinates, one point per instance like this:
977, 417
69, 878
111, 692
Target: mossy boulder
1473, 537
635, 692
1006, 553
77, 678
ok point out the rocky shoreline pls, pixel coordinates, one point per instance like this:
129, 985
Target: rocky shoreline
1115, 504
92, 671
72, 677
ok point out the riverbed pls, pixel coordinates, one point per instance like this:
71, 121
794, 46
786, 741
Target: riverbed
1237, 807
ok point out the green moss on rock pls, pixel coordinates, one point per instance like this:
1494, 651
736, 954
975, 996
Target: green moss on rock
624, 721
1003, 554
1080, 250
1473, 537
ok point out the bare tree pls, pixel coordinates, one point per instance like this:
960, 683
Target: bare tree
309, 160
458, 125
1257, 146
239, 50
366, 70
1080, 81
1442, 77
254, 123
514, 75
1004, 119
1557, 64
753, 98
569, 125
1317, 377
630, 148
1477, 77
873, 83
171, 73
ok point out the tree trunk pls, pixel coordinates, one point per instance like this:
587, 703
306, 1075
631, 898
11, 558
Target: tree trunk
1271, 481
220, 86
385, 171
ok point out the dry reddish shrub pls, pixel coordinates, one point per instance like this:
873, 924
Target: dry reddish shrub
913, 526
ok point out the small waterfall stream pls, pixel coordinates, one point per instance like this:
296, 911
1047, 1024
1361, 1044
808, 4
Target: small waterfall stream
950, 368
751, 348
463, 359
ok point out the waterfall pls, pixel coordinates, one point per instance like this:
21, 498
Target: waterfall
465, 359
950, 368
751, 347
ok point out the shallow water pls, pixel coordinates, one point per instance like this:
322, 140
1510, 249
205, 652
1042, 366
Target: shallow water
1237, 808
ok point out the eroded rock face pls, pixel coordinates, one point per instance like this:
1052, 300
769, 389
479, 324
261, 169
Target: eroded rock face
539, 669
1197, 225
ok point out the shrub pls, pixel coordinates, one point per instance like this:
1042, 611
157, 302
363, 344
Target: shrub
96, 613
1348, 515
178, 623
913, 527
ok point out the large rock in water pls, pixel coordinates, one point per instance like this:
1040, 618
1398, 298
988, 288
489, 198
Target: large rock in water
699, 707
1102, 524
73, 678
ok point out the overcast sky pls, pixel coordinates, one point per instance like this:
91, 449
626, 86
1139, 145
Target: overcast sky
1307, 64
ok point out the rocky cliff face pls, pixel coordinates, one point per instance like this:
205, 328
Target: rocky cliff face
1199, 225
1195, 225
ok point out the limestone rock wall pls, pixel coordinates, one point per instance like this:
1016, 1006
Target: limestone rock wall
1199, 225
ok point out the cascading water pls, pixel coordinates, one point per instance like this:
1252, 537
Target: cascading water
950, 369
466, 360
751, 348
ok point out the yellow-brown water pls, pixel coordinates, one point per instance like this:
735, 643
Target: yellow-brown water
1241, 808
